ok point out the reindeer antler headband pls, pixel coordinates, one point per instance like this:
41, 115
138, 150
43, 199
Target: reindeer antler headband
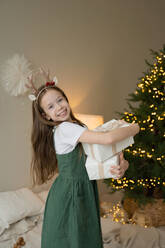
49, 84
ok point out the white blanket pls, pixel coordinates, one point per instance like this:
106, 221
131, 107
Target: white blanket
28, 228
117, 235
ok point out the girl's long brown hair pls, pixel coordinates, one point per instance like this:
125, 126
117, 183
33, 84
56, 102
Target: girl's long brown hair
44, 161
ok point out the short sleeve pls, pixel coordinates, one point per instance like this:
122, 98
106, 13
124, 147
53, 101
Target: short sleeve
66, 136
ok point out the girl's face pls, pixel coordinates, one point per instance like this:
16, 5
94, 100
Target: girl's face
55, 106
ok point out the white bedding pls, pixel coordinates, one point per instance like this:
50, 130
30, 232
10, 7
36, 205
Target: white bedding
28, 228
115, 235
21, 215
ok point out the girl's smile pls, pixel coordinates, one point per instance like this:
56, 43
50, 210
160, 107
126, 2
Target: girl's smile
55, 106
63, 113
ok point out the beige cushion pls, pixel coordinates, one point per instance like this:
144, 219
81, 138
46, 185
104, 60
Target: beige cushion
16, 205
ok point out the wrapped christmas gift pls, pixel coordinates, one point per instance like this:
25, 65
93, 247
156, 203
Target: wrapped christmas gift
98, 170
103, 152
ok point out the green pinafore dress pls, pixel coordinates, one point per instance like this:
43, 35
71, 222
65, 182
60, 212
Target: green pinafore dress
71, 216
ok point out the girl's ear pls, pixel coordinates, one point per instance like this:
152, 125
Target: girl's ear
45, 116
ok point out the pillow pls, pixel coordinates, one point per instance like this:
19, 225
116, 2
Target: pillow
16, 205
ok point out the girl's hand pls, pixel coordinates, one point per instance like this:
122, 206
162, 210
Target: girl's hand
135, 125
119, 170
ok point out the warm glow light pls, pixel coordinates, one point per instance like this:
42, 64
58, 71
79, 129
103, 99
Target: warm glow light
92, 121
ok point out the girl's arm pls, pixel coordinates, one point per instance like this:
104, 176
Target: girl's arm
109, 137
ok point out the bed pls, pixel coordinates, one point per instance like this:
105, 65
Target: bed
21, 215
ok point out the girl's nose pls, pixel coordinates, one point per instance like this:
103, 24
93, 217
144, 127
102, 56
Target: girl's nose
58, 106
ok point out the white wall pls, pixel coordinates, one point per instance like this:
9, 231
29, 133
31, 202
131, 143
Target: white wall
97, 50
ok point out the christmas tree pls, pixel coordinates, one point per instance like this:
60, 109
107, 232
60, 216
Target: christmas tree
145, 178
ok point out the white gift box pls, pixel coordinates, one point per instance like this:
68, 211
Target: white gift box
98, 170
104, 152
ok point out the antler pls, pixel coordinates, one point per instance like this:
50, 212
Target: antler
46, 74
31, 84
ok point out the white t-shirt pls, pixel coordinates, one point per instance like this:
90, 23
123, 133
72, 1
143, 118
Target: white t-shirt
66, 136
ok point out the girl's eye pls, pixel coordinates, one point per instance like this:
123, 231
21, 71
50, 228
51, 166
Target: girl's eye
50, 106
60, 99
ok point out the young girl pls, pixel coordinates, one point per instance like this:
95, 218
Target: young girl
71, 216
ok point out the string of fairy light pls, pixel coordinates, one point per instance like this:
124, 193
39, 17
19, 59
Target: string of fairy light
148, 80
118, 214
145, 154
146, 183
147, 124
